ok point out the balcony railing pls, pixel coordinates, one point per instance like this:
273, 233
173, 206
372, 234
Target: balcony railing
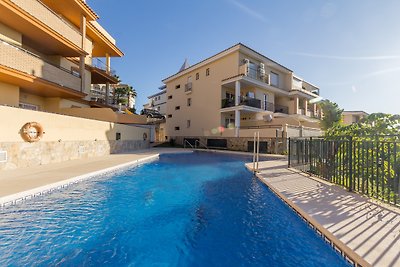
97, 63
254, 73
245, 101
25, 61
281, 109
43, 13
188, 87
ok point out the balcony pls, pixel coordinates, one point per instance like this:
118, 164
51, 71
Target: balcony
22, 60
47, 27
281, 109
254, 73
188, 88
245, 101
101, 74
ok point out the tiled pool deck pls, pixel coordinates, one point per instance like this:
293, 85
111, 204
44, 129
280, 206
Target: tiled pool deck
369, 228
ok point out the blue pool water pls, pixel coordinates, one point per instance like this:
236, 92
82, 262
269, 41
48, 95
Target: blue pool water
199, 209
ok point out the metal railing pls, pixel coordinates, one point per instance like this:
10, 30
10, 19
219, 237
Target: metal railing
281, 109
246, 101
187, 142
369, 165
199, 143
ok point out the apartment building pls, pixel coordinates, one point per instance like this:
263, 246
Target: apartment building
350, 117
49, 53
236, 93
158, 101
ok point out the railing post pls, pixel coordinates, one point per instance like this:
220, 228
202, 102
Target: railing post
350, 155
289, 153
310, 153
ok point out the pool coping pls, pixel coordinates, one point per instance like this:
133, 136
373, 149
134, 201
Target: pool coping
347, 253
41, 190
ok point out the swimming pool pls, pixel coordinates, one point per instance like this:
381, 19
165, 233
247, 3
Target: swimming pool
198, 209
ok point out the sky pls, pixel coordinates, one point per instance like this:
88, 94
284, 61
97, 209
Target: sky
350, 49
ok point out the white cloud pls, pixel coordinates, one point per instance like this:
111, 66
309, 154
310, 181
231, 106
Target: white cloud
248, 10
354, 89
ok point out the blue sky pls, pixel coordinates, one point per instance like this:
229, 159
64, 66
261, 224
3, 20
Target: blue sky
349, 48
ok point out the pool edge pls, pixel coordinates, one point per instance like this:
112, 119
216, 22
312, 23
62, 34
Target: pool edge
41, 190
347, 253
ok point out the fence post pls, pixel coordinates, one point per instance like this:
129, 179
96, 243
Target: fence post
350, 155
289, 153
310, 153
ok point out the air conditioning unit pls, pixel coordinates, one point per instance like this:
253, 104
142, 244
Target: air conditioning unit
246, 61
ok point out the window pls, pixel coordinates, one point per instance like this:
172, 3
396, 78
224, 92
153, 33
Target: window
170, 97
189, 102
169, 115
178, 86
188, 123
274, 79
177, 128
197, 76
207, 71
177, 107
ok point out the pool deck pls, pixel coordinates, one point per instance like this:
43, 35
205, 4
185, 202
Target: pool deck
369, 228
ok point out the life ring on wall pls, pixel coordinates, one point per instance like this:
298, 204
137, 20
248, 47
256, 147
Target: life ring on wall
32, 132
144, 136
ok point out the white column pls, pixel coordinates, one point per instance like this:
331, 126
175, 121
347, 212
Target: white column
106, 98
237, 93
108, 63
237, 123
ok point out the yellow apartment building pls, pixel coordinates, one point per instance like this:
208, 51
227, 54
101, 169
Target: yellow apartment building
223, 100
49, 54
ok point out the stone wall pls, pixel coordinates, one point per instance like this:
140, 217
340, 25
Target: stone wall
274, 145
23, 154
65, 138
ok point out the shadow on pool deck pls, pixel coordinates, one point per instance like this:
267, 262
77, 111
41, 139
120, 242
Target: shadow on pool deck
370, 228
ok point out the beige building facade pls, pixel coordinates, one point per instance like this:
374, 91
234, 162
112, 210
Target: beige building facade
48, 54
350, 117
236, 93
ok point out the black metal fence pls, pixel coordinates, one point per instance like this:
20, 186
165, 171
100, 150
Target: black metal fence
369, 166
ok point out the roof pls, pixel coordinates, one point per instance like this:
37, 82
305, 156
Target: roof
355, 112
225, 51
159, 93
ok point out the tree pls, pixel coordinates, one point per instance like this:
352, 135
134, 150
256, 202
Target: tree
332, 114
122, 92
370, 127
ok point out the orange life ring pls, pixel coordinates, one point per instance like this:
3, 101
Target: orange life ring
144, 136
32, 132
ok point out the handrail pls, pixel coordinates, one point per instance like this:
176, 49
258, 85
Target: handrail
200, 143
187, 142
